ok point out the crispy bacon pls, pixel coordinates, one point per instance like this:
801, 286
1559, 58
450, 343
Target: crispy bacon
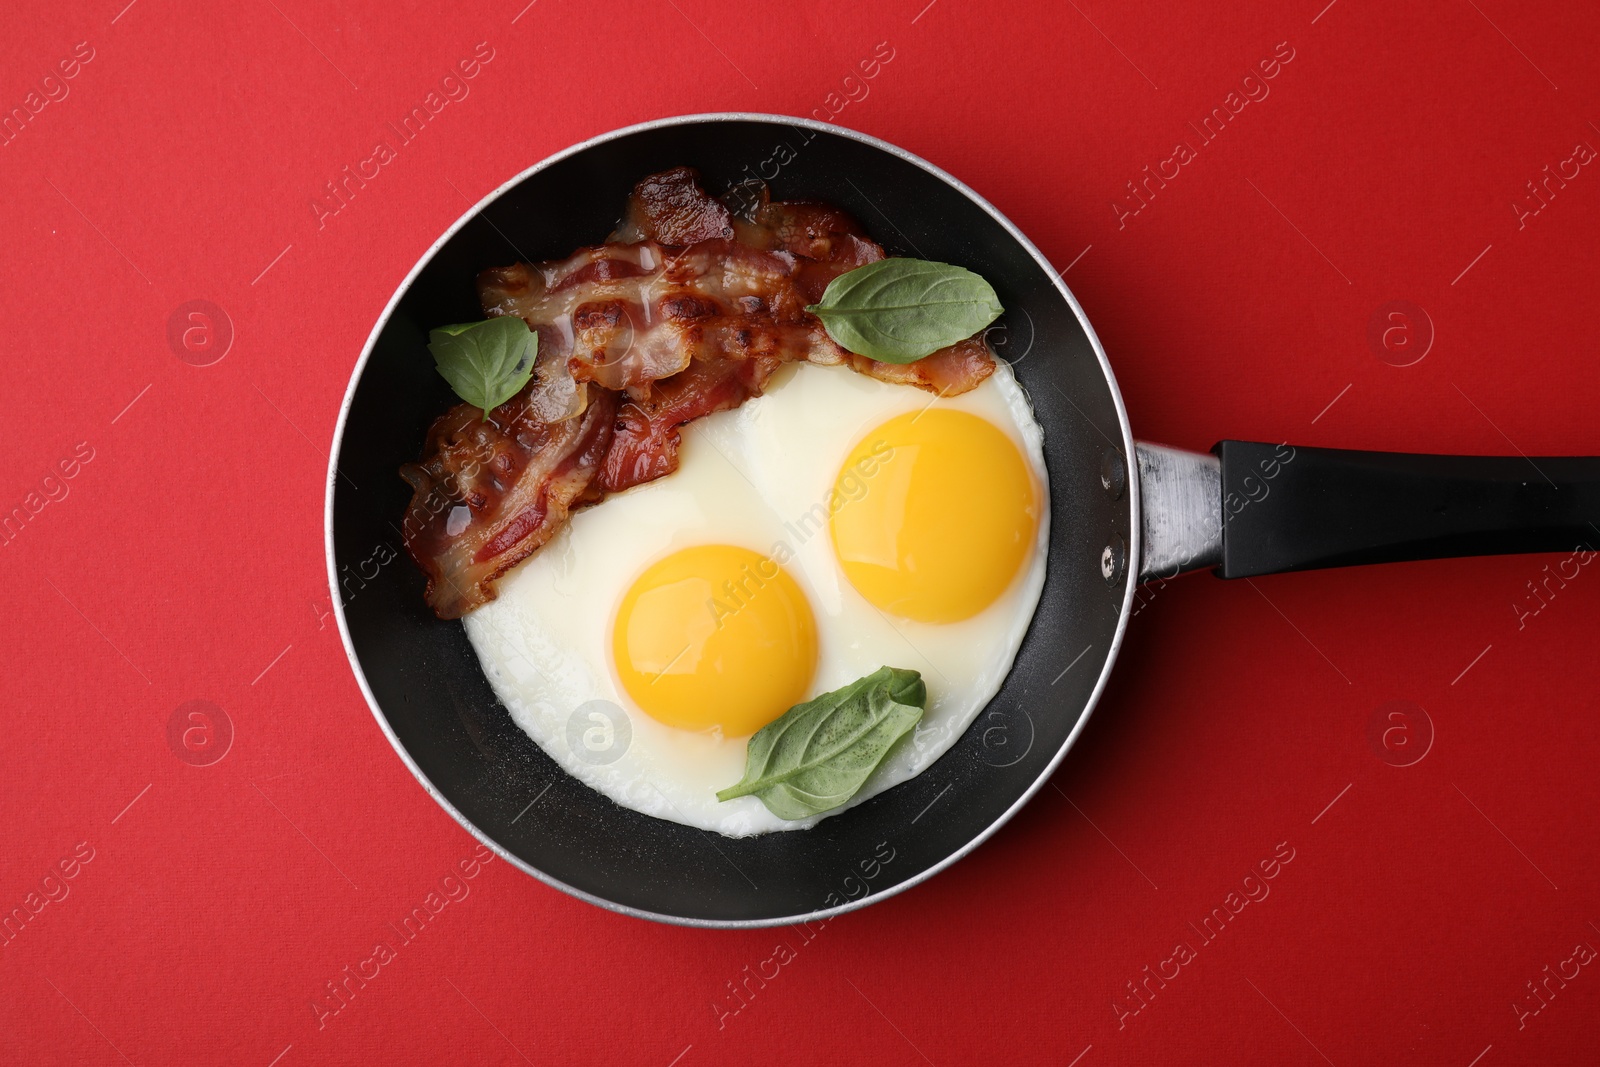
489, 492
688, 309
670, 207
948, 372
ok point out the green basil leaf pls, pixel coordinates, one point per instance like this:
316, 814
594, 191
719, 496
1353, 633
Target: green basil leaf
899, 310
486, 362
817, 755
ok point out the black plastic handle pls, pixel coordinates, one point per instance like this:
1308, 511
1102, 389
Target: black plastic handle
1287, 509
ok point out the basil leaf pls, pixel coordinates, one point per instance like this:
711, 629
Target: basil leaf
817, 755
899, 310
486, 362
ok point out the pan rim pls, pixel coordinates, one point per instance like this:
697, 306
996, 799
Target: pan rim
1130, 566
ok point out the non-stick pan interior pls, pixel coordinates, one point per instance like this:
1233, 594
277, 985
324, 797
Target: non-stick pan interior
424, 678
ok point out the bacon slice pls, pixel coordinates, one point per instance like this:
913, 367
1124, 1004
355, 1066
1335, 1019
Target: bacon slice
488, 493
948, 372
670, 207
688, 309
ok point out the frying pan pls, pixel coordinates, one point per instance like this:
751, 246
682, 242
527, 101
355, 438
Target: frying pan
1121, 513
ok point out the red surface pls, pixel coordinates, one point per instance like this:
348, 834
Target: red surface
185, 561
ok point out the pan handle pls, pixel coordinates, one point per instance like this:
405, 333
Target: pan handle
1253, 508
1286, 508
1180, 495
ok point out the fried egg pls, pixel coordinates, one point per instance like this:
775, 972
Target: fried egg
832, 526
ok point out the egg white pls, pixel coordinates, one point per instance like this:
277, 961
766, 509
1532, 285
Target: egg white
758, 476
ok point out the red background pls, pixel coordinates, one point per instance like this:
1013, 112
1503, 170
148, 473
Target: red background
186, 561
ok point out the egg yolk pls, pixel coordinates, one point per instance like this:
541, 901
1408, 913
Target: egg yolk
715, 636
934, 513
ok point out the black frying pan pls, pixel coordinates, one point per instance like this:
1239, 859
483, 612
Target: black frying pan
1248, 509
